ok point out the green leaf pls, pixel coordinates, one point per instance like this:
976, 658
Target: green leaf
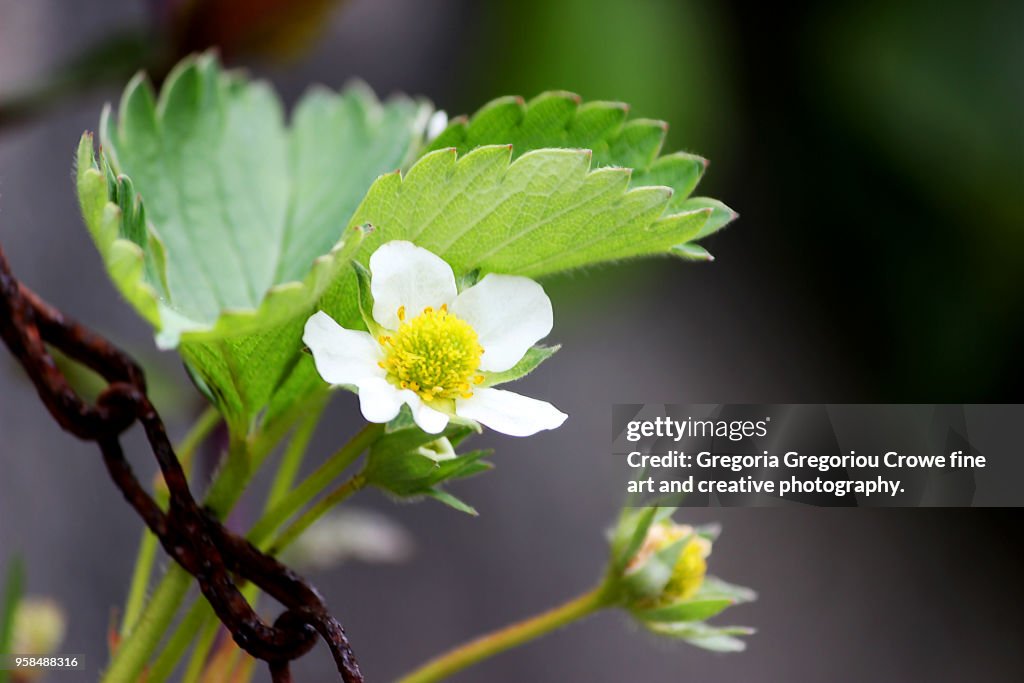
223, 227
14, 587
226, 229
721, 215
560, 119
714, 638
692, 252
544, 213
527, 364
696, 609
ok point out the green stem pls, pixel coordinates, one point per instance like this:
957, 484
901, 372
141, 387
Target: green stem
201, 613
210, 627
486, 646
200, 617
165, 664
196, 436
201, 654
293, 455
135, 651
148, 545
312, 485
144, 561
307, 518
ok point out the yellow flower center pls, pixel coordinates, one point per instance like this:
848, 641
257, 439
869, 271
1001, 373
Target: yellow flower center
436, 354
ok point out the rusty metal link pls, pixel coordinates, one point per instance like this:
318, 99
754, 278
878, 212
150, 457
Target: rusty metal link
191, 535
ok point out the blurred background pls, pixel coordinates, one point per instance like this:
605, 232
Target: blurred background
875, 152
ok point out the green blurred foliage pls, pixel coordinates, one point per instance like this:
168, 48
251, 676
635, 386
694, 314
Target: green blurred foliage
669, 60
933, 92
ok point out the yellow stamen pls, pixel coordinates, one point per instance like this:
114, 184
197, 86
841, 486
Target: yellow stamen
436, 354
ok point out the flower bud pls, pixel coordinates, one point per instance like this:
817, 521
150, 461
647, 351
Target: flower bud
438, 450
39, 626
685, 571
658, 572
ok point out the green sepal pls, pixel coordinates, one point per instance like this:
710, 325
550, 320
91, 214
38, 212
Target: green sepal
365, 299
412, 474
396, 465
466, 280
451, 501
405, 421
710, 531
694, 609
648, 579
530, 361
705, 636
714, 587
629, 534
402, 421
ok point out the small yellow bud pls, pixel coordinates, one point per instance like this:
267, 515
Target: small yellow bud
39, 626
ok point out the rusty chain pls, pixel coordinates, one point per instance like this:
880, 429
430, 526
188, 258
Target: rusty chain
191, 535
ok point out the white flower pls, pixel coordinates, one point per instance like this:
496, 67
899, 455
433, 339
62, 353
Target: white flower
438, 347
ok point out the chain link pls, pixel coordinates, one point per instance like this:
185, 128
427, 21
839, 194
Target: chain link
190, 534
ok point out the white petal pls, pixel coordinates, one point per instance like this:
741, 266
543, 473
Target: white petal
380, 401
429, 420
508, 412
341, 356
436, 124
403, 274
509, 313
